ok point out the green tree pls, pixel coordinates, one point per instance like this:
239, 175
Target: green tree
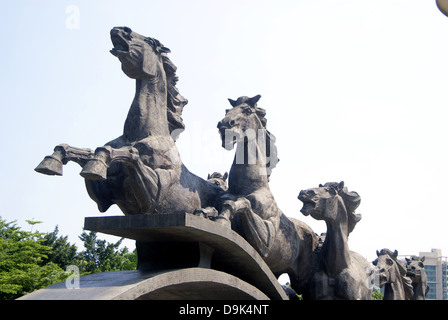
101, 256
63, 253
377, 295
22, 262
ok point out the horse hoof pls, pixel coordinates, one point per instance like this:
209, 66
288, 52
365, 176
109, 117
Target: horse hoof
95, 169
50, 166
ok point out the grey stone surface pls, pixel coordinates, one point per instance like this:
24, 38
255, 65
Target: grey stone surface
185, 284
173, 241
392, 275
339, 274
284, 243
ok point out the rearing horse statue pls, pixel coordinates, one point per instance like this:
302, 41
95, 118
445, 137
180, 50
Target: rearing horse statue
285, 244
141, 170
339, 274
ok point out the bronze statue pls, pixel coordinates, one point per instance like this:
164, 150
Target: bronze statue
141, 171
285, 244
339, 274
392, 274
415, 269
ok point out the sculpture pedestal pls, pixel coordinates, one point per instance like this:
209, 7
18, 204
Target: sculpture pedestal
180, 256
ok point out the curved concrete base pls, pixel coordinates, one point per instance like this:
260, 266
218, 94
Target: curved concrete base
182, 240
184, 284
180, 256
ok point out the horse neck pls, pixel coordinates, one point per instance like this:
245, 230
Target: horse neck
394, 290
248, 172
148, 113
420, 288
335, 252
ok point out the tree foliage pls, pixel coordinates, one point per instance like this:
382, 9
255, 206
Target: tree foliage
377, 295
101, 256
32, 260
22, 266
63, 253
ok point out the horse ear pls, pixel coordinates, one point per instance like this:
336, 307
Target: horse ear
208, 176
341, 185
407, 259
232, 102
395, 255
422, 259
377, 253
225, 176
254, 100
320, 185
375, 262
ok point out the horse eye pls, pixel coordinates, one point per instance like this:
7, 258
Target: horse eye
248, 111
389, 262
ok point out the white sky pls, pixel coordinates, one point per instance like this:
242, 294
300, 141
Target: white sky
354, 91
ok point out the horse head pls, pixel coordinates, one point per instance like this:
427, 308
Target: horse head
387, 265
328, 201
218, 179
415, 269
243, 120
140, 56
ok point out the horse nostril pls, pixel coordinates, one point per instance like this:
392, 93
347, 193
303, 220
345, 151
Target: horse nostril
232, 122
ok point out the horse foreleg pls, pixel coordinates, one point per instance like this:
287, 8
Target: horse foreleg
130, 184
96, 167
258, 232
63, 153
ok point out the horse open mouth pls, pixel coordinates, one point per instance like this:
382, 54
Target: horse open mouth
308, 204
121, 45
308, 207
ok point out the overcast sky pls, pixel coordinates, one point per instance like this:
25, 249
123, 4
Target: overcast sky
354, 91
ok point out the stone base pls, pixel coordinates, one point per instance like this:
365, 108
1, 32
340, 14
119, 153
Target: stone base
184, 284
180, 256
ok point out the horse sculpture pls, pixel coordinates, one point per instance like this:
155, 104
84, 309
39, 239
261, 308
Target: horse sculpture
285, 244
141, 170
339, 274
392, 275
416, 271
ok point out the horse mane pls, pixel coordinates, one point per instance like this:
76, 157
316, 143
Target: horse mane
352, 200
271, 148
175, 102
